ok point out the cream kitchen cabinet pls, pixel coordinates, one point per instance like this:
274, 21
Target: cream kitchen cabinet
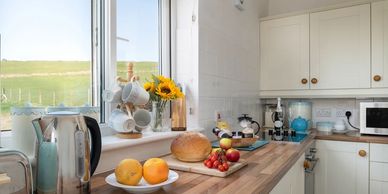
378, 168
380, 44
293, 181
284, 47
343, 167
340, 48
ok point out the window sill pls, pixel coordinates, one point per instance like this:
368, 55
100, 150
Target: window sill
114, 149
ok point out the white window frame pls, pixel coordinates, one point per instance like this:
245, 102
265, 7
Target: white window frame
105, 48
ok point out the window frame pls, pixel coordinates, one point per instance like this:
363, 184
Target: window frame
104, 47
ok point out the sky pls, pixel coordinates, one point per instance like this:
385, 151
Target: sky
61, 30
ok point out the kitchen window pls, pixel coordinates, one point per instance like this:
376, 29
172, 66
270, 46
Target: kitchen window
68, 51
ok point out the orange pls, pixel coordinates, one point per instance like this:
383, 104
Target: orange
129, 172
155, 170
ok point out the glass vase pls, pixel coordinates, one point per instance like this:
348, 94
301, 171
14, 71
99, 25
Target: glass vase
159, 117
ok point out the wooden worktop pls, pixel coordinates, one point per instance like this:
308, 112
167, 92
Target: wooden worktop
351, 136
266, 166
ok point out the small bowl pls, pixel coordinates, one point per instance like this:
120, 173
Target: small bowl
143, 186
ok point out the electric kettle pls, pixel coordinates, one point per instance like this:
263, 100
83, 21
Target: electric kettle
65, 159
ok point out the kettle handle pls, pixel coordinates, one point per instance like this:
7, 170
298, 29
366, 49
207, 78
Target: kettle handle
258, 127
96, 142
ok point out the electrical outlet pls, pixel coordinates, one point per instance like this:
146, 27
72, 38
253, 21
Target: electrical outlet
340, 112
323, 112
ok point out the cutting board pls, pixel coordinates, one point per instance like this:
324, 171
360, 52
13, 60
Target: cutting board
198, 167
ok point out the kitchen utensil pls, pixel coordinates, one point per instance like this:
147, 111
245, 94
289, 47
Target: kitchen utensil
299, 125
198, 167
23, 135
86, 110
65, 159
245, 144
324, 126
134, 93
15, 172
245, 121
113, 95
121, 121
339, 125
143, 186
298, 111
142, 119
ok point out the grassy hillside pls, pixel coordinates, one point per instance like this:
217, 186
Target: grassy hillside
48, 83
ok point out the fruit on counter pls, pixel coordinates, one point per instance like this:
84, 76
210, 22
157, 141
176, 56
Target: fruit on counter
232, 155
155, 170
129, 172
226, 143
218, 161
191, 147
215, 150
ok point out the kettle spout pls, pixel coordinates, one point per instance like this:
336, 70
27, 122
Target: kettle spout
39, 127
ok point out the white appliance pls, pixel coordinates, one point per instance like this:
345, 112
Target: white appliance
374, 118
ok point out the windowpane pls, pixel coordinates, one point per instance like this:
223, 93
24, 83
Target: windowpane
138, 37
45, 54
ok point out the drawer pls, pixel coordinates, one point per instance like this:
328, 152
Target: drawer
378, 187
378, 152
378, 171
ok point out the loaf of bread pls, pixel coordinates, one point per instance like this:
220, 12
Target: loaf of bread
191, 147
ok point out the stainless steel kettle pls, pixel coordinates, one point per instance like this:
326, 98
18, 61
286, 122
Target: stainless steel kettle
65, 159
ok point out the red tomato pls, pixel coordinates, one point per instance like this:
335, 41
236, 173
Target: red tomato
216, 163
221, 168
226, 166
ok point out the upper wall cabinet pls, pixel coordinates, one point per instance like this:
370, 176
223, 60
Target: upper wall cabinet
340, 48
285, 53
380, 44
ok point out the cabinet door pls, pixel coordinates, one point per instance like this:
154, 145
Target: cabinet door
293, 181
340, 48
284, 45
341, 169
380, 44
378, 187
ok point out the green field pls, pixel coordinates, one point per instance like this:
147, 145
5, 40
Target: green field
48, 83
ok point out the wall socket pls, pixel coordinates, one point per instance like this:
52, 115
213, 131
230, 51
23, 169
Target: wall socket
323, 112
340, 112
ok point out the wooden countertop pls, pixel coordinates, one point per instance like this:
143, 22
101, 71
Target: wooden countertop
266, 166
352, 136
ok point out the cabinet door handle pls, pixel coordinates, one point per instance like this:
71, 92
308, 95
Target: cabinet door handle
306, 164
314, 80
377, 78
304, 81
362, 153
4, 178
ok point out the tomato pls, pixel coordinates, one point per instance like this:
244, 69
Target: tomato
226, 166
221, 168
216, 163
213, 158
205, 161
209, 164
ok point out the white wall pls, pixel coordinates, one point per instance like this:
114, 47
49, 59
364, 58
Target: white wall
276, 7
217, 58
228, 60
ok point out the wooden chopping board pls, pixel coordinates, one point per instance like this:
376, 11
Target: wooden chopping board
198, 167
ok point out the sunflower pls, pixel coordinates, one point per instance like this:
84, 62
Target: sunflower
166, 90
163, 79
149, 86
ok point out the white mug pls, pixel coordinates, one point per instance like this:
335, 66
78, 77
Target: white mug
121, 121
113, 95
142, 119
135, 94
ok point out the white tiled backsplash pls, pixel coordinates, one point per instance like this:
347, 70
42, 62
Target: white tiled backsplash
332, 109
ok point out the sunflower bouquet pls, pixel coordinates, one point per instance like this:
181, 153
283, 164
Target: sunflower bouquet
161, 90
